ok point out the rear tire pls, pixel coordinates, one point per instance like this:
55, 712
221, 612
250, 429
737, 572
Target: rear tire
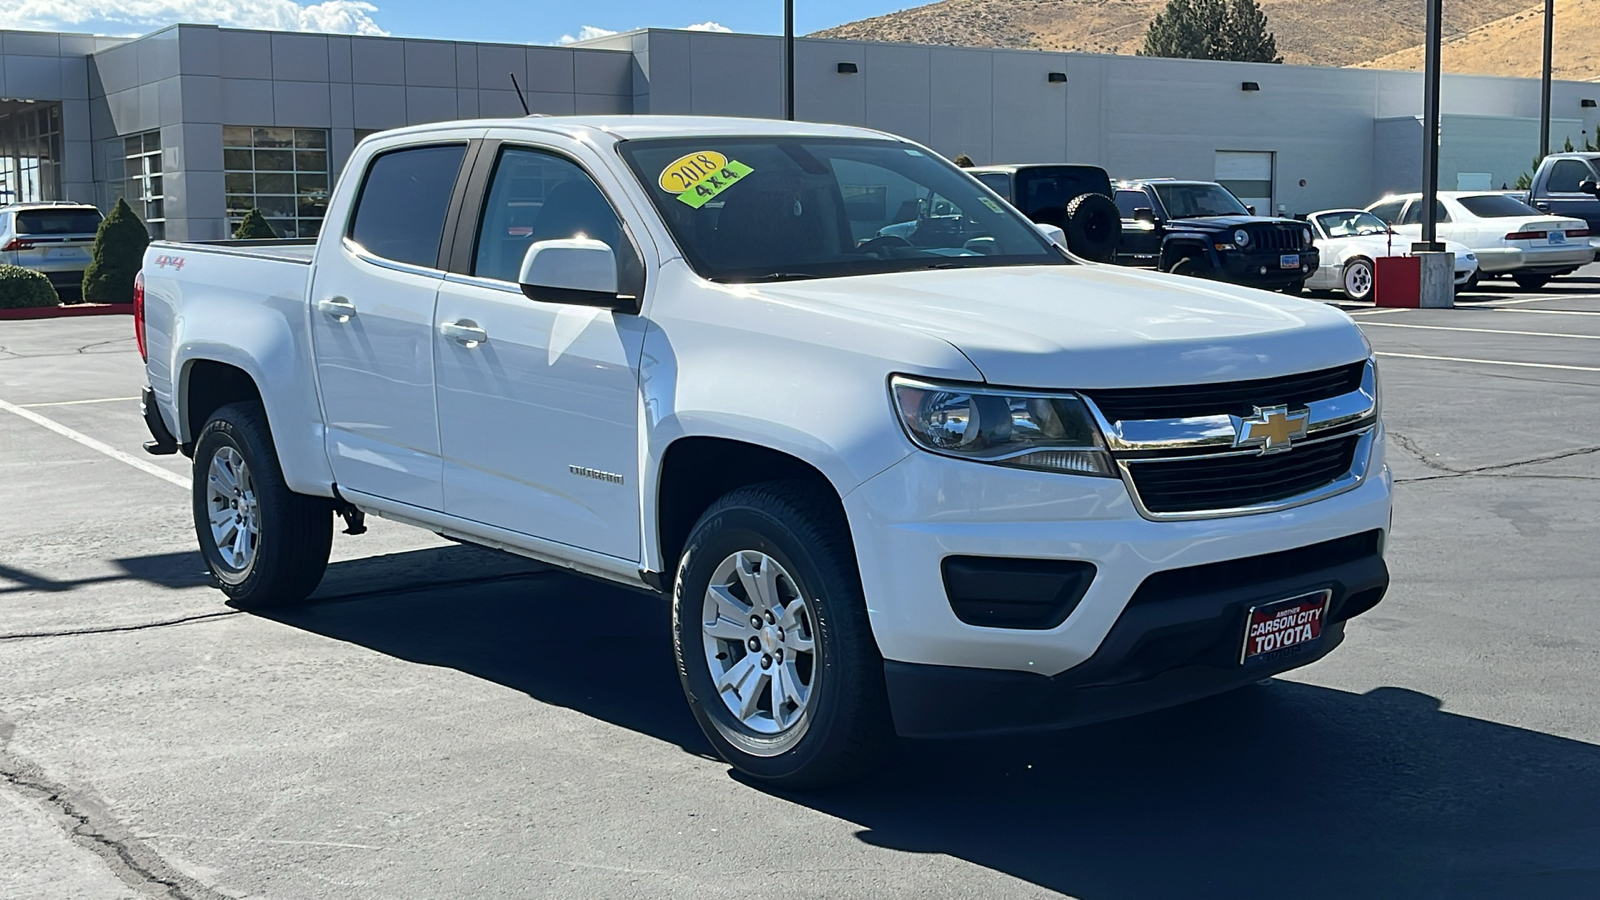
1357, 279
1295, 288
801, 701
1531, 282
1093, 226
264, 544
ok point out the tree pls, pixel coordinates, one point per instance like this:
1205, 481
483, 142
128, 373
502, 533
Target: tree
1212, 29
118, 252
253, 226
964, 161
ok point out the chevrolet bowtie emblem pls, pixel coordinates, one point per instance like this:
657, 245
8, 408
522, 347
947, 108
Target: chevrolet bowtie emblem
1272, 428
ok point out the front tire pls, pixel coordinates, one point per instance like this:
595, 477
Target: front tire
265, 545
1193, 267
770, 632
1357, 279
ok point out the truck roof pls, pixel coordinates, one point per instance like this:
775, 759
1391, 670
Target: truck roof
628, 128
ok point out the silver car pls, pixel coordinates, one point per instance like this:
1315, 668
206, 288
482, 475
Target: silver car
53, 237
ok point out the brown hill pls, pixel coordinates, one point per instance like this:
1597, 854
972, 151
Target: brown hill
1515, 45
1309, 32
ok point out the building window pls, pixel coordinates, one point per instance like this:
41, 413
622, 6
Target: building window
281, 171
30, 151
142, 180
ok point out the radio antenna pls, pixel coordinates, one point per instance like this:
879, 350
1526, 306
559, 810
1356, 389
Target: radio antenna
520, 99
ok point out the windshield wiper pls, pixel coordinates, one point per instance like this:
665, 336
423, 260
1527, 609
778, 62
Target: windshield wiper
784, 276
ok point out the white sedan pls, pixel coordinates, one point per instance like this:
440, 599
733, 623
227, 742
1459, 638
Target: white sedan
1508, 236
1350, 239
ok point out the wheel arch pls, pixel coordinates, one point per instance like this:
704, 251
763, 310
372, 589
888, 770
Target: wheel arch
1178, 247
695, 470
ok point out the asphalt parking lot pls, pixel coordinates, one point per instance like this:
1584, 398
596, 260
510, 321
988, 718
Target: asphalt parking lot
447, 722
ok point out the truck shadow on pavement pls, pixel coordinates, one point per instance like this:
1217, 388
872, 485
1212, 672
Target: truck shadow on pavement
1283, 790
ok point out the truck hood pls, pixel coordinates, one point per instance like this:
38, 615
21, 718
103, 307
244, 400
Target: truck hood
1094, 326
1220, 223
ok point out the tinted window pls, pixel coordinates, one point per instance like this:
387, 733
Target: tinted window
1185, 201
1388, 211
778, 208
1128, 201
1567, 174
1414, 213
58, 221
1497, 206
539, 197
999, 182
400, 214
1043, 192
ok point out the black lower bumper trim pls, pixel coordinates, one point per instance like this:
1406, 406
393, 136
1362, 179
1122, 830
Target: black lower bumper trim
164, 444
1161, 652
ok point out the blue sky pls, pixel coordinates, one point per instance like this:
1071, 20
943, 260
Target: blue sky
527, 21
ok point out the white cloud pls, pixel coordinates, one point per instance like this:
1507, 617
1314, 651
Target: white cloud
586, 33
707, 26
338, 16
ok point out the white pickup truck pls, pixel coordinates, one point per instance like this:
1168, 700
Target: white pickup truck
935, 479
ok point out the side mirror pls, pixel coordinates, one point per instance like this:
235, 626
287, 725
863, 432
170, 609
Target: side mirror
1053, 234
582, 271
1144, 214
1590, 187
1250, 209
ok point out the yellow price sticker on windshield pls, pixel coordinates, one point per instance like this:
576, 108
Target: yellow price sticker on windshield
993, 206
715, 183
686, 171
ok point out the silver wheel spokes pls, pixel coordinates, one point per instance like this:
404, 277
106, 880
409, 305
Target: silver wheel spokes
759, 638
1358, 280
231, 506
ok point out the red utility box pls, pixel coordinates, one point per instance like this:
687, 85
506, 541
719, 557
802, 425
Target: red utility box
1397, 281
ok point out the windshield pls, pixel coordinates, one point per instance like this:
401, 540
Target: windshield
772, 208
1199, 200
1194, 201
1497, 206
58, 221
1351, 224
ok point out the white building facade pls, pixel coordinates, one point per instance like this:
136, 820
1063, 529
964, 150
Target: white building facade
194, 125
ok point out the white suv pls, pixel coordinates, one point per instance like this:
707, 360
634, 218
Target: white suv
53, 237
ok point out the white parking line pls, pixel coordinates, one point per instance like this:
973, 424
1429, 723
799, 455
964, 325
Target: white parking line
1552, 334
77, 402
1550, 312
97, 446
1493, 362
1377, 312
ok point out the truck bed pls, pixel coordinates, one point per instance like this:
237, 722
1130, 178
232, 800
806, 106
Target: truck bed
295, 250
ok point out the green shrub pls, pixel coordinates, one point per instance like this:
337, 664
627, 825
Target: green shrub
253, 226
24, 289
118, 253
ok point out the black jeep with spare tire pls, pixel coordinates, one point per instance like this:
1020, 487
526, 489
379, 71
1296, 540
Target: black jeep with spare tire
1076, 199
1200, 228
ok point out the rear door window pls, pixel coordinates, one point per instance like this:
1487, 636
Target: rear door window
1497, 206
1128, 201
58, 221
1413, 214
401, 211
1566, 175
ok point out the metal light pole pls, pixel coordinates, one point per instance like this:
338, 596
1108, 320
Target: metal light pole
1430, 132
788, 60
1544, 78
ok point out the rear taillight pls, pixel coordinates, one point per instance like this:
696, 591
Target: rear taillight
17, 244
138, 315
1527, 235
1578, 232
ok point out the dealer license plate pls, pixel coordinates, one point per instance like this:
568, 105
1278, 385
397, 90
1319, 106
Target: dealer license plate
1283, 627
1558, 237
1289, 261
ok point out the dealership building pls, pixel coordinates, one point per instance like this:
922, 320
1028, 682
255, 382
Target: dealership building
194, 125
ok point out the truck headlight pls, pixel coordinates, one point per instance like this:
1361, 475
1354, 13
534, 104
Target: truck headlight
1242, 238
1047, 432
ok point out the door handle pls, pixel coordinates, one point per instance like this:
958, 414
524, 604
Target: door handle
337, 308
1542, 205
464, 332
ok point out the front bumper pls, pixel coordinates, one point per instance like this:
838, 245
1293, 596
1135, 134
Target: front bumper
907, 519
1246, 267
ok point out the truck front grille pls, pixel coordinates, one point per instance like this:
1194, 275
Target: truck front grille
1240, 480
1276, 237
1236, 398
